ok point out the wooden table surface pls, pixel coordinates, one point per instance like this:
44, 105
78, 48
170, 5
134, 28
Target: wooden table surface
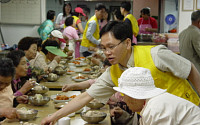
49, 108
63, 79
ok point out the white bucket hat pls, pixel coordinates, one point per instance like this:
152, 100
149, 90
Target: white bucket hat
57, 33
138, 83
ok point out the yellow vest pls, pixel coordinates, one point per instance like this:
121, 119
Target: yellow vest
85, 42
134, 24
75, 19
163, 80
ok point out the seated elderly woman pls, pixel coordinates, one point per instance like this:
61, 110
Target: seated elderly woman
156, 106
29, 46
7, 71
49, 56
6, 95
20, 86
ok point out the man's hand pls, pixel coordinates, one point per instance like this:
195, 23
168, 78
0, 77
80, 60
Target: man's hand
95, 61
70, 52
116, 112
48, 121
67, 87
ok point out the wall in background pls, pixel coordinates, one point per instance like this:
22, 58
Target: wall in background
12, 33
54, 5
171, 7
21, 12
139, 4
184, 17
1, 41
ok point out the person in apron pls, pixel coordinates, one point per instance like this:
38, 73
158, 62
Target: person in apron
72, 35
130, 19
147, 24
77, 15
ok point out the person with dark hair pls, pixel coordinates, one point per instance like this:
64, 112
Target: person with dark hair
39, 43
71, 33
39, 48
106, 18
91, 32
7, 71
117, 15
129, 19
47, 26
189, 40
146, 23
20, 86
49, 56
29, 46
60, 20
166, 68
77, 15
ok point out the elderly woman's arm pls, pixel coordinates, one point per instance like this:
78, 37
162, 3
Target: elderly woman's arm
8, 113
26, 87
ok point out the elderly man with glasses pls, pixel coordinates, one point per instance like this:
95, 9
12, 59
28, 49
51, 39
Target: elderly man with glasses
169, 70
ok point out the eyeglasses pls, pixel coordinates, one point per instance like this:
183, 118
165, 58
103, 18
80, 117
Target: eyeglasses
110, 48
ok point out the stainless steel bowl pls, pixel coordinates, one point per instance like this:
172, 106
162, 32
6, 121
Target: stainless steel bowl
60, 72
69, 57
26, 117
93, 119
51, 78
95, 105
41, 90
144, 37
41, 102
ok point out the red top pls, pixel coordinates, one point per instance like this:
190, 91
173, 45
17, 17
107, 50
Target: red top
153, 22
78, 21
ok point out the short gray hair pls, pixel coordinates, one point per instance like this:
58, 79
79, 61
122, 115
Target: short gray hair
195, 16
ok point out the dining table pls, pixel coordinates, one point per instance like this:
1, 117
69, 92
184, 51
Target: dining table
49, 108
64, 79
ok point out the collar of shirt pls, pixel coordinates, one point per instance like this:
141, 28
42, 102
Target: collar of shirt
49, 21
28, 63
15, 81
46, 59
195, 27
130, 61
127, 14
